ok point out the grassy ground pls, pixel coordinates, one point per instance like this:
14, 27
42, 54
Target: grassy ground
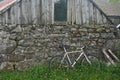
79, 73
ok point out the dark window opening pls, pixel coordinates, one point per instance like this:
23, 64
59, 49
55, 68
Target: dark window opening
60, 10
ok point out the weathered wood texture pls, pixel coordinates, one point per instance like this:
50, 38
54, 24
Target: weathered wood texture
42, 12
115, 19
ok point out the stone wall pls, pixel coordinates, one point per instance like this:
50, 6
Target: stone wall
22, 45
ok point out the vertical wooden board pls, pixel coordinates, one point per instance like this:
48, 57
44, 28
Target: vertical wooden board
1, 16
95, 15
80, 12
104, 19
12, 15
43, 10
50, 11
69, 11
19, 13
33, 11
73, 12
47, 12
16, 14
76, 7
77, 11
83, 12
38, 11
24, 12
87, 11
9, 16
91, 13
3, 20
0, 19
27, 11
29, 18
5, 16
99, 17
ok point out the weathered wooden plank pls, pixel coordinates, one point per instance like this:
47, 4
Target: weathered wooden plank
15, 14
91, 13
83, 12
73, 12
33, 12
77, 4
38, 12
50, 6
99, 17
104, 19
87, 11
42, 12
12, 14
69, 11
29, 10
95, 15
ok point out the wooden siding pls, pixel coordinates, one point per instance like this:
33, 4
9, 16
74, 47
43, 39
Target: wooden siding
115, 19
42, 12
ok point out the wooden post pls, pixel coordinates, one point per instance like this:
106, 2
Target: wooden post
113, 55
108, 57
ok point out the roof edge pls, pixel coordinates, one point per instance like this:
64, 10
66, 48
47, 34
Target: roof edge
101, 11
2, 10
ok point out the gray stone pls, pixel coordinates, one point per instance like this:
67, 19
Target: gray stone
17, 29
26, 43
3, 58
3, 65
11, 27
107, 35
8, 47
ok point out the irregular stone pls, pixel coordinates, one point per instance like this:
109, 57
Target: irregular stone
3, 58
16, 57
26, 43
11, 27
3, 65
7, 46
25, 64
18, 29
107, 35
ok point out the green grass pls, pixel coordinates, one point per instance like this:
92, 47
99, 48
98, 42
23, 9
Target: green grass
79, 73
